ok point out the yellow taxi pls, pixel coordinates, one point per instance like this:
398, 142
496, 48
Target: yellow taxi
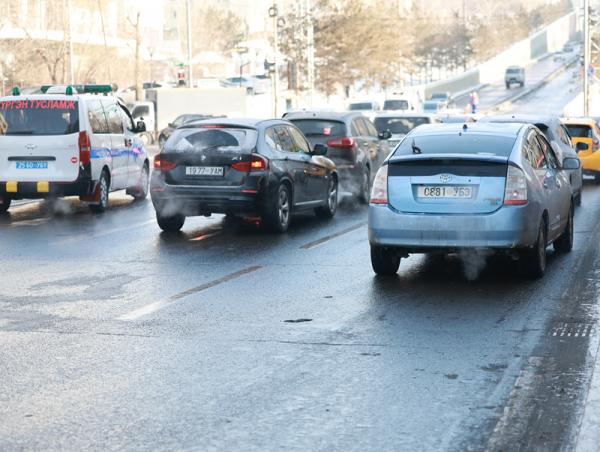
585, 135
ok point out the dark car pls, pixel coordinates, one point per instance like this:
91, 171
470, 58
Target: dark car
353, 143
165, 133
248, 167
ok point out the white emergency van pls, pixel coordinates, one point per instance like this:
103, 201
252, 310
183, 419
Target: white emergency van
70, 141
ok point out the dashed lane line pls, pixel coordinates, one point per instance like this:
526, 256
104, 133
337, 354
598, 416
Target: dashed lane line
327, 238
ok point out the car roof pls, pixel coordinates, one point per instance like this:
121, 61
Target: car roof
253, 123
579, 121
507, 130
521, 118
326, 115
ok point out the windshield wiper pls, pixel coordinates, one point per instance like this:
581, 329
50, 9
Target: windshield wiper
415, 148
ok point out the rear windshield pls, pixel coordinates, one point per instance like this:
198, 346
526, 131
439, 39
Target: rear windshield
319, 128
580, 131
361, 106
395, 105
39, 117
220, 139
399, 125
439, 96
431, 105
513, 71
457, 144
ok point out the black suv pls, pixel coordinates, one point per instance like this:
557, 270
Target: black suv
247, 167
353, 143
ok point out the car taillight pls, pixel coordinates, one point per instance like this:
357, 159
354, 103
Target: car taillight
164, 165
379, 191
341, 143
256, 163
85, 148
515, 192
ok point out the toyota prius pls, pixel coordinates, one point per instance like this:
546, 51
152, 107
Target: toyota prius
451, 187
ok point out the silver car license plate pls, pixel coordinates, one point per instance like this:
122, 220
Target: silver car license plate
204, 171
444, 191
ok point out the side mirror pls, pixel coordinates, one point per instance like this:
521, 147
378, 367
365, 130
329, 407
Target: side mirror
571, 163
140, 127
581, 146
171, 125
385, 135
319, 149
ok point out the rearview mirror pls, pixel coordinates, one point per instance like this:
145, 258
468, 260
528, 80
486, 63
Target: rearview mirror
140, 127
571, 163
385, 135
581, 146
319, 149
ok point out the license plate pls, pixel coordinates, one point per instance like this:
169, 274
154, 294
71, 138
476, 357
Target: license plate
444, 191
203, 170
32, 165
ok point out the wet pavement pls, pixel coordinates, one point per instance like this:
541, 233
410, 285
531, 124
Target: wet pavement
225, 337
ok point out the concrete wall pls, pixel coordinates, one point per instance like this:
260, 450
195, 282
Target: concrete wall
550, 39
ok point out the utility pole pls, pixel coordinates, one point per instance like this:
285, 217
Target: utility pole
189, 43
70, 42
586, 56
274, 14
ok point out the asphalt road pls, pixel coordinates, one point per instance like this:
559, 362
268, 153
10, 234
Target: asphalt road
115, 336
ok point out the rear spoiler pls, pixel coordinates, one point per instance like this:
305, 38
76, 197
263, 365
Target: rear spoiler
470, 157
211, 125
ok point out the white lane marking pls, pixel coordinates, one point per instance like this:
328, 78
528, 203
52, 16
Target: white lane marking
157, 305
94, 235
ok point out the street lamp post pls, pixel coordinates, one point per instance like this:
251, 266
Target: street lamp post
189, 43
274, 14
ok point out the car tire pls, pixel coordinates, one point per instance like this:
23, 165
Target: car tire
140, 192
385, 261
564, 244
170, 223
101, 194
5, 205
278, 212
533, 261
597, 178
328, 210
365, 187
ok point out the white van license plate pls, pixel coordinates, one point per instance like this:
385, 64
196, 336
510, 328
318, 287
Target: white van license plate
32, 165
445, 191
203, 170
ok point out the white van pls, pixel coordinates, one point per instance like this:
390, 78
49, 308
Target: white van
70, 144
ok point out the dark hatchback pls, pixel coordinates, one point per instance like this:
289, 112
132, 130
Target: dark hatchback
353, 143
246, 167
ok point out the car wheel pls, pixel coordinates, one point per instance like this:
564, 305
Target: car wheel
141, 191
365, 187
170, 223
328, 210
101, 194
385, 261
533, 261
564, 244
597, 178
4, 205
277, 215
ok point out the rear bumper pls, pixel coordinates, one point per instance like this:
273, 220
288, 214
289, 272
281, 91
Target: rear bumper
43, 189
508, 228
189, 200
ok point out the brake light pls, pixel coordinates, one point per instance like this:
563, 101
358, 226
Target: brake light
515, 192
85, 148
164, 165
379, 191
212, 126
256, 163
342, 143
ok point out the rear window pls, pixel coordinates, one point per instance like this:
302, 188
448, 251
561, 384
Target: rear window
361, 106
399, 125
513, 71
457, 144
579, 131
220, 139
431, 105
39, 117
319, 128
395, 105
